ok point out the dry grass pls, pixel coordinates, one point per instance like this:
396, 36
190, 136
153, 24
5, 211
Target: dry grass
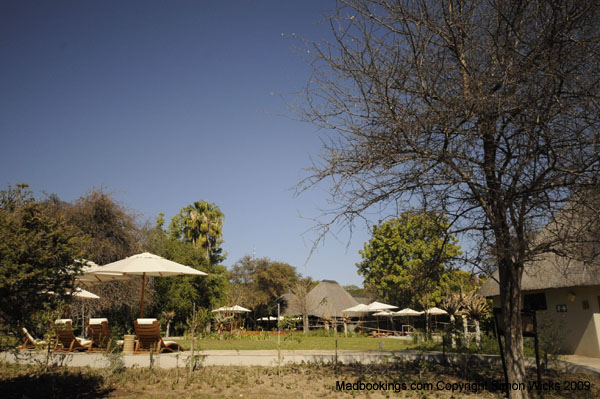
297, 381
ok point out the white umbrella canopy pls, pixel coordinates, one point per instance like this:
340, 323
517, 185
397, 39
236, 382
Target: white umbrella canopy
79, 293
148, 264
408, 312
93, 274
435, 311
384, 313
232, 309
377, 306
360, 308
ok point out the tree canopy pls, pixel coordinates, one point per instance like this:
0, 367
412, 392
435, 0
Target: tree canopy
260, 282
201, 224
37, 256
405, 259
112, 230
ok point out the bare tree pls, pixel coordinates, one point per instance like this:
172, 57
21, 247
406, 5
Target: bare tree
486, 111
303, 302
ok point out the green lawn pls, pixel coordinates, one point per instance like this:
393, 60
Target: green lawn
298, 341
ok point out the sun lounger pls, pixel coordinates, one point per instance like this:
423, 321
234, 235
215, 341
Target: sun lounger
149, 338
66, 341
30, 341
100, 336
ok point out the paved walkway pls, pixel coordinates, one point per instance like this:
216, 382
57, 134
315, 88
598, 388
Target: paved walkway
270, 358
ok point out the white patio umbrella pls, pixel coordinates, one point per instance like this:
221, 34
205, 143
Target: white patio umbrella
377, 307
232, 309
147, 264
385, 313
407, 312
93, 274
79, 293
360, 308
434, 311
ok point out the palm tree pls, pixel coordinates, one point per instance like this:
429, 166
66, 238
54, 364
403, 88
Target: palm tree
203, 225
476, 307
452, 303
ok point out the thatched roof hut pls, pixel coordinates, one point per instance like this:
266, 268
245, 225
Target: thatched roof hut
327, 300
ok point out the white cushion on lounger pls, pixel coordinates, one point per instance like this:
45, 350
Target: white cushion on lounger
146, 321
97, 321
63, 321
83, 341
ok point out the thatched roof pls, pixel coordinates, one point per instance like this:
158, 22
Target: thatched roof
571, 259
326, 300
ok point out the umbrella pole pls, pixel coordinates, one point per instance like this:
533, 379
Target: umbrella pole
142, 302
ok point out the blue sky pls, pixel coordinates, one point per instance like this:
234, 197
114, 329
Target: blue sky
169, 102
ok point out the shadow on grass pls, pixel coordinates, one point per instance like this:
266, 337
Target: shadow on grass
54, 385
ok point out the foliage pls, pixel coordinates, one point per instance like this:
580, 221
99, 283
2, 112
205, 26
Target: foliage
260, 282
406, 258
112, 231
552, 332
37, 252
201, 224
355, 290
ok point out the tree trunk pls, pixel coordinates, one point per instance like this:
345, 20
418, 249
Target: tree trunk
465, 324
510, 296
477, 334
305, 323
168, 328
452, 334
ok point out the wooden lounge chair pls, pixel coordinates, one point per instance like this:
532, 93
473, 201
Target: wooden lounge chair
30, 341
149, 338
100, 337
66, 341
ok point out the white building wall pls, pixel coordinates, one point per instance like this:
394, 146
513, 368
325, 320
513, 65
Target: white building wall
578, 326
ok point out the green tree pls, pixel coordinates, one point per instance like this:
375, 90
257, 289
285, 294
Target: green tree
406, 258
37, 252
261, 282
201, 224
